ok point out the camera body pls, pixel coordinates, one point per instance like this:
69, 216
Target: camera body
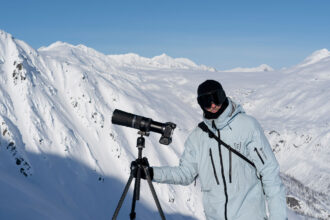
166, 137
144, 124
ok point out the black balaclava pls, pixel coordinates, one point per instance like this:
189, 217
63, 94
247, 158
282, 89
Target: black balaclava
210, 86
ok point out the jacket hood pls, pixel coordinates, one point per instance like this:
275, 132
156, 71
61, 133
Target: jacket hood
226, 117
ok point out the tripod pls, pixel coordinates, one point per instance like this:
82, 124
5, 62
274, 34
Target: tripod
136, 194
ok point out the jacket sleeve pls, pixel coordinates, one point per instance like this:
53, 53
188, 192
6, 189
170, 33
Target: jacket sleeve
268, 167
183, 174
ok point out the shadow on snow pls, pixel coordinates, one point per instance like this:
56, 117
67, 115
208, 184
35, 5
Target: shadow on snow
64, 188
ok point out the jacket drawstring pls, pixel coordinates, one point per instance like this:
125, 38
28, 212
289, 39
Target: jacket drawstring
214, 170
230, 162
230, 166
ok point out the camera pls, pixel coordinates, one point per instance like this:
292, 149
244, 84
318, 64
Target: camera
144, 124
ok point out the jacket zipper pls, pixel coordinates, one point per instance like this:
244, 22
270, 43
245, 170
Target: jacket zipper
223, 177
256, 150
215, 172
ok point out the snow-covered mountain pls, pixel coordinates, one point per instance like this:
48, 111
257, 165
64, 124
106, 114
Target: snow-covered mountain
163, 61
261, 68
61, 158
316, 57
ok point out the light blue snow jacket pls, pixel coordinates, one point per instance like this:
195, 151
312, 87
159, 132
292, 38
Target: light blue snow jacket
235, 179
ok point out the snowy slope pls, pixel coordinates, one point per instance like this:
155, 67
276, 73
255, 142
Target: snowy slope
61, 158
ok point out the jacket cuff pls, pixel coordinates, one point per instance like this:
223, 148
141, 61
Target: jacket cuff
156, 174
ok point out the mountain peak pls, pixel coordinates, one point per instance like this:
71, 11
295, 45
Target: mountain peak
315, 57
56, 44
3, 33
163, 55
12, 50
163, 58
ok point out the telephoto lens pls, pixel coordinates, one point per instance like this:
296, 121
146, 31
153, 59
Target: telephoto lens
144, 124
129, 120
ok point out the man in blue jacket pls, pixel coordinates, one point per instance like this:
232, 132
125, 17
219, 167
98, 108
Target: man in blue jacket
239, 176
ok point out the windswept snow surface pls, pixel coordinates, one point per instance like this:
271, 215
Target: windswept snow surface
61, 158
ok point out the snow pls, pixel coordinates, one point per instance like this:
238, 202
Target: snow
61, 158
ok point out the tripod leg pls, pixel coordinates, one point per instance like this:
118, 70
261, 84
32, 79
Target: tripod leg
136, 193
154, 195
122, 198
138, 182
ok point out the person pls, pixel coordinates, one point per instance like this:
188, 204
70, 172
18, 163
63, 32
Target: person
240, 181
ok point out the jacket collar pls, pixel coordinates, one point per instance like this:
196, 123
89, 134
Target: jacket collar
226, 117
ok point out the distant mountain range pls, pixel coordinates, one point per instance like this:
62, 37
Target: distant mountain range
261, 68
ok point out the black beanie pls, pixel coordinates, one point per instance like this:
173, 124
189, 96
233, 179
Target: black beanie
210, 86
207, 86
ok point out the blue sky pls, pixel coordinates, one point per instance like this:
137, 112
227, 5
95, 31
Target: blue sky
221, 34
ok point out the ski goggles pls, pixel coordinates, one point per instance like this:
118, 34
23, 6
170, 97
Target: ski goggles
205, 100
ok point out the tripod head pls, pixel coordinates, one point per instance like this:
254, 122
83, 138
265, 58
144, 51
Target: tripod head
143, 133
140, 142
